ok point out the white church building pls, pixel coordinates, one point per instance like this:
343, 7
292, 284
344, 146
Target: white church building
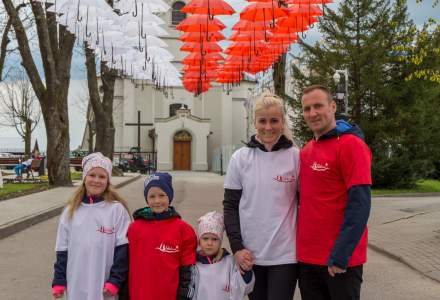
187, 132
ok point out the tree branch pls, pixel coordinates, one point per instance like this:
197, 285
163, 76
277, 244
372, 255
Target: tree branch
25, 51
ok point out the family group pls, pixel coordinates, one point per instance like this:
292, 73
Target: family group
292, 216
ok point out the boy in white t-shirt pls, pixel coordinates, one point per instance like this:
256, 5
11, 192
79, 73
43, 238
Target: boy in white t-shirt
217, 275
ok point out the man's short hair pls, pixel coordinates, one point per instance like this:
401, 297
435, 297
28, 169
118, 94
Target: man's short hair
323, 88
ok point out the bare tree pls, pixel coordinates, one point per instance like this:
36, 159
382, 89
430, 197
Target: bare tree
102, 108
20, 108
83, 104
55, 45
7, 46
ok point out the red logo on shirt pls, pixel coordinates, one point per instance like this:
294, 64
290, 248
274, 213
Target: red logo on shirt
281, 178
106, 230
320, 168
168, 248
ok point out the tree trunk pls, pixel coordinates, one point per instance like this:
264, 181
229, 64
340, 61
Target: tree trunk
56, 47
279, 77
103, 110
27, 137
90, 137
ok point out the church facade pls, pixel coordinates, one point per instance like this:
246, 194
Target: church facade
186, 132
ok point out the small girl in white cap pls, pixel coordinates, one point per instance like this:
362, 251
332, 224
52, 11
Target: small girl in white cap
91, 245
217, 275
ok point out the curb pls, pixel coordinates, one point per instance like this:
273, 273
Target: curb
21, 224
431, 194
434, 277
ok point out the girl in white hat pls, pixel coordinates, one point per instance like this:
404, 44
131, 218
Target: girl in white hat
91, 245
217, 275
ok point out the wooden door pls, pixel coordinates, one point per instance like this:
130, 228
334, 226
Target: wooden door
182, 155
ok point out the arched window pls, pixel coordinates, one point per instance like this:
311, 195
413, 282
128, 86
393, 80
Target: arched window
177, 15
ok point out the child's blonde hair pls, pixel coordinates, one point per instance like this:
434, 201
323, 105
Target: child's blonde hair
267, 100
109, 195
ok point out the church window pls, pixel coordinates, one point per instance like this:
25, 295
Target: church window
177, 15
174, 107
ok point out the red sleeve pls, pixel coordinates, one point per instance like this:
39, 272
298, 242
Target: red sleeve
189, 246
355, 158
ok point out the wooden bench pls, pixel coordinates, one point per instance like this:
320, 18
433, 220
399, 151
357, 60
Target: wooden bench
13, 161
9, 161
76, 162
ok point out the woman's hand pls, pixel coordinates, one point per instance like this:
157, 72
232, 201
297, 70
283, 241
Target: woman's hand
244, 260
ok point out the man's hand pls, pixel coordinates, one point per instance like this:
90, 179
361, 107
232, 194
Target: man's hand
244, 260
333, 270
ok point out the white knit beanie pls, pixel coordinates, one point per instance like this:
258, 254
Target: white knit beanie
97, 160
211, 222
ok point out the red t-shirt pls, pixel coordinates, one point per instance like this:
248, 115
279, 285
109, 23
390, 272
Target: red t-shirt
328, 169
157, 248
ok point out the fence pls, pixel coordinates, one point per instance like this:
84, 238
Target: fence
221, 157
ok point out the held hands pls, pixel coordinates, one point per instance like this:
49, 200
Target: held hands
333, 270
58, 291
244, 259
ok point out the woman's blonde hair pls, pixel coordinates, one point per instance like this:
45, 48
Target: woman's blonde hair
109, 195
267, 100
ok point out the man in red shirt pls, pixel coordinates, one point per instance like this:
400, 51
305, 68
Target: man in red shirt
335, 201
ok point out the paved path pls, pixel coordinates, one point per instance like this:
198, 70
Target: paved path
28, 255
408, 230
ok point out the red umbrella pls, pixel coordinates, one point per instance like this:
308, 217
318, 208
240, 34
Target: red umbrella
207, 47
200, 23
247, 36
262, 11
208, 7
196, 58
201, 37
245, 25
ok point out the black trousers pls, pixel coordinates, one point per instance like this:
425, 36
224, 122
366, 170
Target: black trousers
274, 282
315, 283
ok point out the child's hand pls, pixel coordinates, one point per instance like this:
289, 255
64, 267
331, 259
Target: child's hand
58, 291
244, 259
110, 289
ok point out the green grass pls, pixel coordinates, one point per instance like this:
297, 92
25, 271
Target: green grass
76, 175
11, 190
423, 186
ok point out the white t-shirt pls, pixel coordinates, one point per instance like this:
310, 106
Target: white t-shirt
221, 281
268, 204
90, 238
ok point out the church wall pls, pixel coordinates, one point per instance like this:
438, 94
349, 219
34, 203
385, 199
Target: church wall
129, 115
239, 121
213, 111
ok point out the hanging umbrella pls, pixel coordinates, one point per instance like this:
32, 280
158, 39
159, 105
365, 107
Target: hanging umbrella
208, 7
207, 47
200, 23
262, 11
214, 36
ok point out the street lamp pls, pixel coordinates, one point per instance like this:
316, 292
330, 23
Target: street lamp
342, 92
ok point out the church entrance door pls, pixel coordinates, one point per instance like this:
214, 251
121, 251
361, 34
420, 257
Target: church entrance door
182, 150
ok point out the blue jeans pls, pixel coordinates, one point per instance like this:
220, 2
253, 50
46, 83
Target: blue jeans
18, 169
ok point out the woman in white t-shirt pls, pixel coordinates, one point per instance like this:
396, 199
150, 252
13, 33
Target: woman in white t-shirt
260, 204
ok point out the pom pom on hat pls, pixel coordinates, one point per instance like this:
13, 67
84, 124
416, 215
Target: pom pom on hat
96, 160
211, 222
161, 180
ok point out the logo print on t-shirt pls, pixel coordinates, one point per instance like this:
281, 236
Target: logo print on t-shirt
168, 248
106, 230
281, 178
320, 168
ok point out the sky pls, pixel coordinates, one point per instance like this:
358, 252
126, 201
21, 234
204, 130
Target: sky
9, 137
